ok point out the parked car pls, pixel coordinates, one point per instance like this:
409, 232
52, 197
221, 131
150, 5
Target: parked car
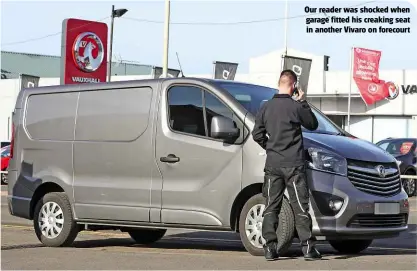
145, 156
5, 157
404, 150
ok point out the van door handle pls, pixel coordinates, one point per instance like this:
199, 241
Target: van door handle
171, 158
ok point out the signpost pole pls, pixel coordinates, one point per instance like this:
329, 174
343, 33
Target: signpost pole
111, 44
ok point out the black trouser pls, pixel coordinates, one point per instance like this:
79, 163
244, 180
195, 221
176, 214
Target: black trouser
275, 182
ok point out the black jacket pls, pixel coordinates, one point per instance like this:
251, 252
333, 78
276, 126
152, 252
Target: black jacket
278, 130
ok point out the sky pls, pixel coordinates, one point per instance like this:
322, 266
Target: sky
34, 27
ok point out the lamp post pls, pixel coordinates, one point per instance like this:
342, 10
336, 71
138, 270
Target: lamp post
166, 39
115, 13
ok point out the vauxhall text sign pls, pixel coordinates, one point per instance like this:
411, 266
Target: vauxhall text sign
394, 90
84, 52
409, 89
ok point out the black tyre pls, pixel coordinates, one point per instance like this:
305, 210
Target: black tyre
147, 236
409, 185
53, 220
350, 246
252, 237
3, 178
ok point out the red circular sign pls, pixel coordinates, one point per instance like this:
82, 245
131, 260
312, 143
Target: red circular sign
88, 52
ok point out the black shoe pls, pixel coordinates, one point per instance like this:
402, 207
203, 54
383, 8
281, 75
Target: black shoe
271, 253
312, 255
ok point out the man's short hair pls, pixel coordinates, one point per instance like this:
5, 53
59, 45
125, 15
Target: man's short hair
289, 74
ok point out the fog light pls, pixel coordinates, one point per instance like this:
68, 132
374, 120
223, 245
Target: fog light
406, 204
335, 205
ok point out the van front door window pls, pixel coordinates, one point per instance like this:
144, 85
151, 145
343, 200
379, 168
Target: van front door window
186, 110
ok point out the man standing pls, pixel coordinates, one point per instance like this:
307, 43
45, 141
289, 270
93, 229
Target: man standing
278, 131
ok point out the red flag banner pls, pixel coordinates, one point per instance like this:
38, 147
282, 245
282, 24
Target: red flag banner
372, 90
366, 64
366, 75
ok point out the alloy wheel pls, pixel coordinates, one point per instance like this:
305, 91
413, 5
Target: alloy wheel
51, 220
253, 225
409, 186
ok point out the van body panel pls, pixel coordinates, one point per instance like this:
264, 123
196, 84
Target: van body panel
117, 115
350, 148
254, 156
46, 147
157, 180
42, 146
51, 116
112, 169
208, 169
46, 150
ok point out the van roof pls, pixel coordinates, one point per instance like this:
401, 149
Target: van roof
120, 84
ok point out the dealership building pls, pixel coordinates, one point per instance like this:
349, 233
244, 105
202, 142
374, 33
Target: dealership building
327, 90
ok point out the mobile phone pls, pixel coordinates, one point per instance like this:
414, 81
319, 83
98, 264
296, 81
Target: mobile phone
295, 93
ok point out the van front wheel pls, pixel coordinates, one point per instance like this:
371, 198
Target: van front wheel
53, 220
147, 236
250, 226
350, 246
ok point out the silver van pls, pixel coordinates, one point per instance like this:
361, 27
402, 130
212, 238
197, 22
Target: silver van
149, 155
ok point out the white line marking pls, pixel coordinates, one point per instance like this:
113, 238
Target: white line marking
296, 195
394, 248
269, 187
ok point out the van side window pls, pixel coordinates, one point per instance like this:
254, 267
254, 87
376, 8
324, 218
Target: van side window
186, 110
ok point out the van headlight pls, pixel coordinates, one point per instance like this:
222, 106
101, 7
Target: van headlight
324, 160
398, 163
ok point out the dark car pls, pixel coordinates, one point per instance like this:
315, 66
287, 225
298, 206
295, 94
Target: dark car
404, 150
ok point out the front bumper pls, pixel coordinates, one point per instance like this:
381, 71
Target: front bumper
357, 218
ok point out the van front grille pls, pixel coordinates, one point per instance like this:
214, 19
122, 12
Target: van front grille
378, 221
367, 178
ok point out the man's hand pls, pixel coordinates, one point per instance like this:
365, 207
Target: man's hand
300, 96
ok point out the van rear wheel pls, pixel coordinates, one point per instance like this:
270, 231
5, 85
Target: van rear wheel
250, 226
350, 246
147, 236
53, 220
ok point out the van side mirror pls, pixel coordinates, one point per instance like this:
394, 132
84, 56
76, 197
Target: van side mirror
223, 128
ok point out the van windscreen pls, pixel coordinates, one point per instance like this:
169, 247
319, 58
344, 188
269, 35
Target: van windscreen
252, 97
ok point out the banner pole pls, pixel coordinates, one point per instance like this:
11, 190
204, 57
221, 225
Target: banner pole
214, 69
166, 39
285, 36
350, 87
285, 27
